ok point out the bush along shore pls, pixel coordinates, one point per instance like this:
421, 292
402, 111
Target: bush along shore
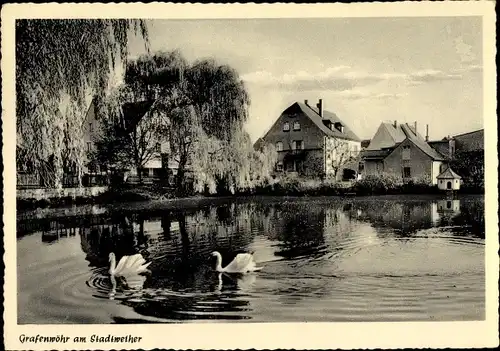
283, 186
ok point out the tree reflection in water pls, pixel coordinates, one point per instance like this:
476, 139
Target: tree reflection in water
183, 284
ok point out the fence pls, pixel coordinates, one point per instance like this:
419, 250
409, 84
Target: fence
33, 181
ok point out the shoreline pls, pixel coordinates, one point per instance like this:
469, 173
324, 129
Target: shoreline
197, 201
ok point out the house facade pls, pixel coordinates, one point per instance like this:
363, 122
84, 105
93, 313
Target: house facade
313, 142
398, 150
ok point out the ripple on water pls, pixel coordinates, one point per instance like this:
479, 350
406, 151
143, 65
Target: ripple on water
344, 269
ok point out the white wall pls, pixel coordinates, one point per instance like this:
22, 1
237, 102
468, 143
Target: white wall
436, 165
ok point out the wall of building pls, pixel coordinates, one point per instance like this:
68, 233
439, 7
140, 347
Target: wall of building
373, 167
91, 128
311, 161
443, 184
309, 133
437, 168
420, 163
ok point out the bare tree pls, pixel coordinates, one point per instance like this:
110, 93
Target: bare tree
339, 154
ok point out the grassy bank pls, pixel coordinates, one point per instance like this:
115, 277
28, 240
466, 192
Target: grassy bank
285, 186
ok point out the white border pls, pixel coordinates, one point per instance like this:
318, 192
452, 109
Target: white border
254, 335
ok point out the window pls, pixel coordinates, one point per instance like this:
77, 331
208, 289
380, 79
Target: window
279, 146
406, 152
279, 166
158, 147
361, 167
296, 126
297, 145
90, 127
286, 127
406, 172
89, 146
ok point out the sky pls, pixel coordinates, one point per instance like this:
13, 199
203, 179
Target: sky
366, 70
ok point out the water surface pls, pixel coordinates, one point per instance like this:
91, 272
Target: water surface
325, 259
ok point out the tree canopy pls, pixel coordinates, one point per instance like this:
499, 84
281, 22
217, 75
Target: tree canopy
59, 64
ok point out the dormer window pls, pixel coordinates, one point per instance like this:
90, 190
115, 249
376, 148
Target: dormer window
339, 127
286, 127
296, 126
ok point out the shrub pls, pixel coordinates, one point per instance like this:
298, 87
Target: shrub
372, 184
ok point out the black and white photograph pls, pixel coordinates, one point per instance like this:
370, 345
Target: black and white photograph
250, 170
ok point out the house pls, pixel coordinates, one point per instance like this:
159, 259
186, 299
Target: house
133, 123
399, 150
314, 142
449, 180
92, 128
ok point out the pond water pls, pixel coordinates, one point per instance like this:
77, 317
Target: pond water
325, 259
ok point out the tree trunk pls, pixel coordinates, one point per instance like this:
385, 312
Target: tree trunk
181, 171
136, 157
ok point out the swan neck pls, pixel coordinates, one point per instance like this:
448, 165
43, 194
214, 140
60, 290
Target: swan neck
218, 265
112, 266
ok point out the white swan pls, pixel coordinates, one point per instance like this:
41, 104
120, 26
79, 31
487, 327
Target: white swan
242, 263
128, 265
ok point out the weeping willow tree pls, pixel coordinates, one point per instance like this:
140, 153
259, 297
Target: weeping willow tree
231, 165
59, 65
199, 102
218, 96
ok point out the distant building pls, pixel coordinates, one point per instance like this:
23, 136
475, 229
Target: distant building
449, 180
132, 119
313, 142
400, 151
470, 142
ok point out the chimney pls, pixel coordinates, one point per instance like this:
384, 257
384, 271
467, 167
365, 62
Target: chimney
427, 133
320, 107
395, 124
415, 127
306, 102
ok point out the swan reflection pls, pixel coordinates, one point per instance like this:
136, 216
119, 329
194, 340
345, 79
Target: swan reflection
131, 282
241, 282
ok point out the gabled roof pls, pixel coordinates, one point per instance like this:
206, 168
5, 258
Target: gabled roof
348, 134
395, 132
448, 174
387, 135
420, 142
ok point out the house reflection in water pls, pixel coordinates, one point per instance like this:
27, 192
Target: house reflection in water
448, 209
406, 217
449, 206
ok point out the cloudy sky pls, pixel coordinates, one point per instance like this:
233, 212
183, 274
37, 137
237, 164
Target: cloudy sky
367, 70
